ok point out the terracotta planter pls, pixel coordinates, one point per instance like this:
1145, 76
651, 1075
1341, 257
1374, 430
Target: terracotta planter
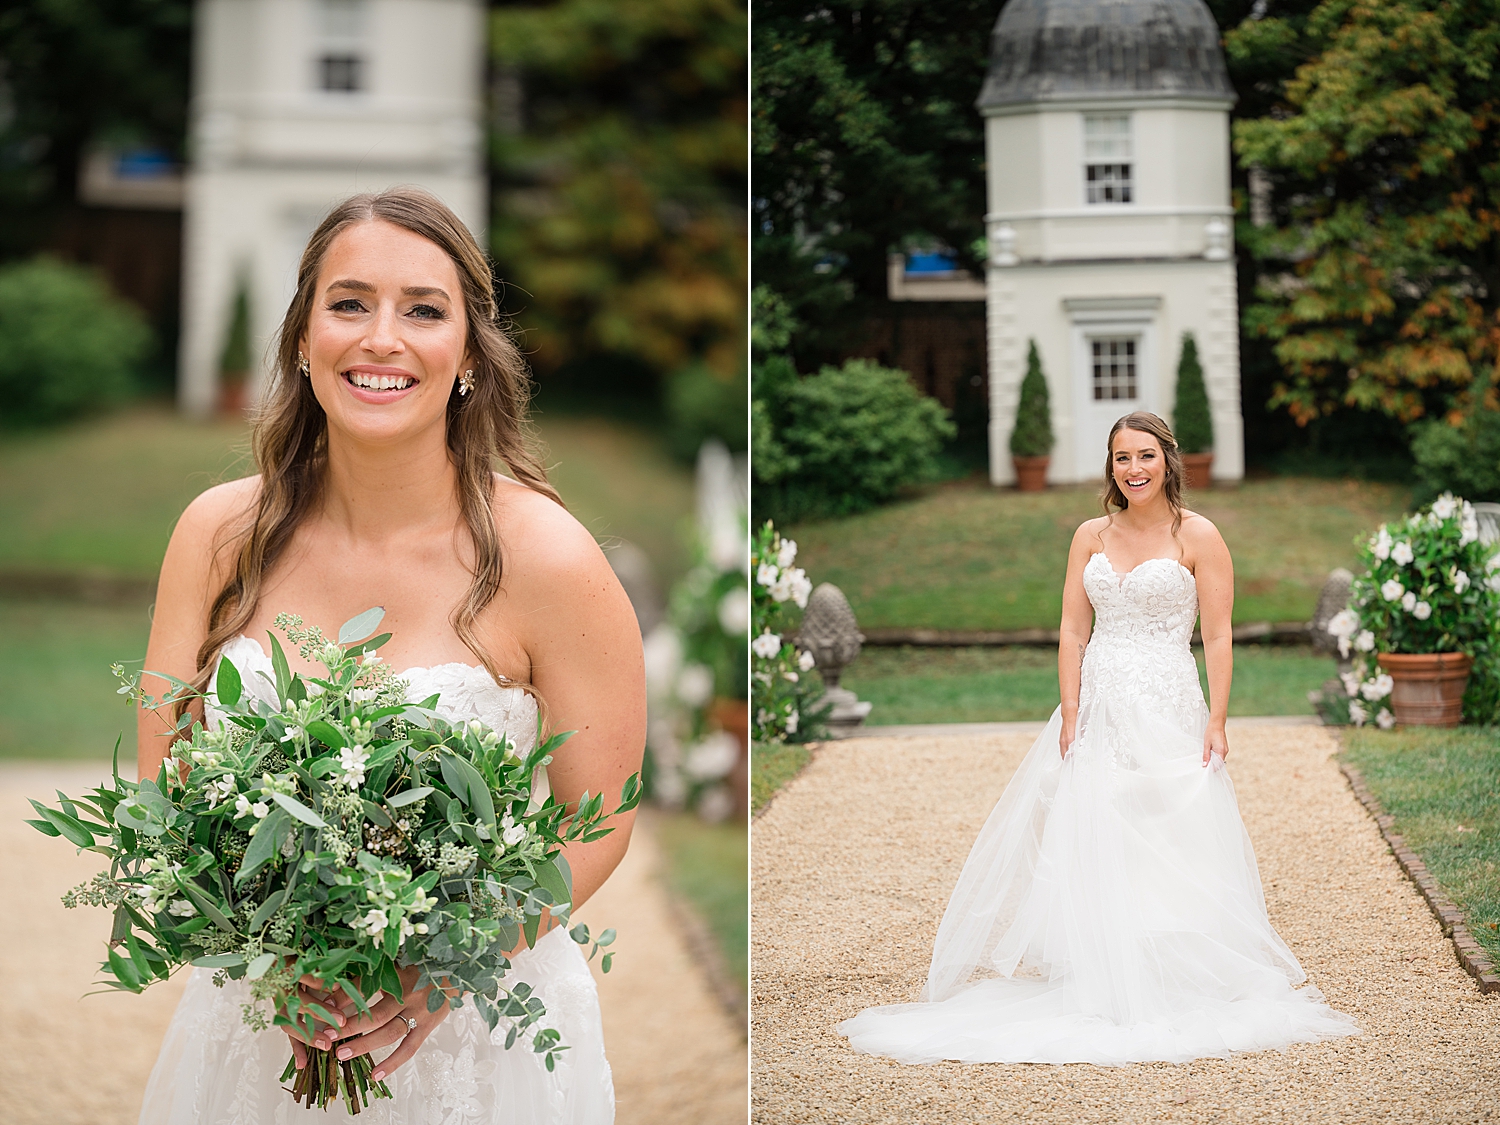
1031, 473
1429, 689
1199, 470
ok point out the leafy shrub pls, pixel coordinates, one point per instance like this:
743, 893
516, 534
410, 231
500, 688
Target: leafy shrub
1032, 436
702, 404
1192, 425
68, 345
1463, 459
843, 440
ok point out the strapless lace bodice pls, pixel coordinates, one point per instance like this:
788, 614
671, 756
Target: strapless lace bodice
1143, 627
464, 692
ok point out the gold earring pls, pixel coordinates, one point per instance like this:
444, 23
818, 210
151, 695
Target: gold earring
303, 366
466, 382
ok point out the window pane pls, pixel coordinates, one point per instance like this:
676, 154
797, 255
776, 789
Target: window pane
1114, 375
1108, 183
340, 72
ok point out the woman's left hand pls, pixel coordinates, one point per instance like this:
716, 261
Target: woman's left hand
1215, 741
387, 1024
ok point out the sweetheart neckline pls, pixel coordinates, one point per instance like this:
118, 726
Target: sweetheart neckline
502, 685
1126, 574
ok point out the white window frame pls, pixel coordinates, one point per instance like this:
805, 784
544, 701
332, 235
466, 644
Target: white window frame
1108, 159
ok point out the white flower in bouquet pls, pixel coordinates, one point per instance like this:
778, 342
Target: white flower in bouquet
695, 684
1409, 601
1385, 720
734, 612
1380, 546
1365, 641
1401, 553
1444, 506
1357, 713
374, 923
1391, 590
767, 645
1421, 611
1459, 578
786, 554
216, 791
181, 908
1378, 688
712, 758
1351, 683
766, 574
352, 761
805, 661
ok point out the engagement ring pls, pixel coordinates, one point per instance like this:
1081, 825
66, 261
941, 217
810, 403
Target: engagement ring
411, 1024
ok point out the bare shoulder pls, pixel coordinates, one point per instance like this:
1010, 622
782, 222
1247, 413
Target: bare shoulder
1090, 533
214, 508
546, 549
1201, 537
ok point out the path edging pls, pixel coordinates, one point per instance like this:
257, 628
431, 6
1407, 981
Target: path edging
1471, 955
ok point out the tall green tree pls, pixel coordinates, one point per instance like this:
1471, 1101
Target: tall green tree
76, 73
865, 140
619, 158
1380, 279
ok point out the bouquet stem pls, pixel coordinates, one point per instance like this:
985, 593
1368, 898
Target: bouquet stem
325, 1079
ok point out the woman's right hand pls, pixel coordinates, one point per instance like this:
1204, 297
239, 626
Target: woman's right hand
310, 990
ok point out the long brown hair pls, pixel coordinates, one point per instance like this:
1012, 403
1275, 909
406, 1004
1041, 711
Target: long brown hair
1147, 423
290, 435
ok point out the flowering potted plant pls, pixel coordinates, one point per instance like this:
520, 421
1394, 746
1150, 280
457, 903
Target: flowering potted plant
785, 691
1426, 606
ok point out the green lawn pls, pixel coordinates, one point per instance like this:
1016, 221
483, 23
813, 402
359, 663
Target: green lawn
988, 685
707, 866
771, 767
59, 699
105, 494
969, 556
1441, 787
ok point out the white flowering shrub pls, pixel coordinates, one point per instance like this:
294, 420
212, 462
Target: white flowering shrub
785, 689
1430, 585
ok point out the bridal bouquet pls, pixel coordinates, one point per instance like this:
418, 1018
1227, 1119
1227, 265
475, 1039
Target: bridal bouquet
338, 835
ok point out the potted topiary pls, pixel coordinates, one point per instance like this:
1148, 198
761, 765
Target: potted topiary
1426, 606
1031, 439
1191, 423
235, 361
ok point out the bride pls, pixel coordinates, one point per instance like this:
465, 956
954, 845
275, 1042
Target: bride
1110, 911
396, 390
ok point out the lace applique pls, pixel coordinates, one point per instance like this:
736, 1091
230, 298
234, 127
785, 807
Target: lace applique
1139, 650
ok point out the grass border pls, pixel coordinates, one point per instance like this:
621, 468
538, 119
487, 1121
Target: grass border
1471, 956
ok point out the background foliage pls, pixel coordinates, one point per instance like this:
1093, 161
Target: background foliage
619, 156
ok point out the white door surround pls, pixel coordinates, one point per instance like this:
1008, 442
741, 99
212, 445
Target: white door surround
1129, 324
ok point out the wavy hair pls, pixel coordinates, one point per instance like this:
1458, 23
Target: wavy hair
1145, 422
290, 435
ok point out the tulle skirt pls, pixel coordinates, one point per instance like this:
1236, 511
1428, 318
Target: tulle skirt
213, 1070
1110, 912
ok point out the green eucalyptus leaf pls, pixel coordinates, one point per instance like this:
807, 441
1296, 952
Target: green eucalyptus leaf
283, 671
263, 845
368, 646
260, 966
327, 734
227, 683
359, 627
206, 905
219, 961
409, 796
299, 810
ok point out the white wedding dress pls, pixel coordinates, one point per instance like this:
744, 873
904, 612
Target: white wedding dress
1110, 911
213, 1070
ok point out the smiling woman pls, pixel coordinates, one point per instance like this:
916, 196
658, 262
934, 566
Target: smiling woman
396, 391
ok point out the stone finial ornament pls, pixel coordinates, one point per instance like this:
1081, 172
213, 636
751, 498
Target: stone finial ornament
1333, 599
830, 632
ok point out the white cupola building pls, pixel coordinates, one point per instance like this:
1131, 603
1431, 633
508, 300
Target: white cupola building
297, 104
1109, 222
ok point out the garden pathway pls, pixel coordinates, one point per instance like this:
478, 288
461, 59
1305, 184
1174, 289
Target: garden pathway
852, 866
678, 1059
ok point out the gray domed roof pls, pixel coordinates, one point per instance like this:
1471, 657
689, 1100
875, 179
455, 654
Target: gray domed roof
1050, 50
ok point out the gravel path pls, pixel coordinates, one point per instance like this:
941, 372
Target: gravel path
852, 865
678, 1059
